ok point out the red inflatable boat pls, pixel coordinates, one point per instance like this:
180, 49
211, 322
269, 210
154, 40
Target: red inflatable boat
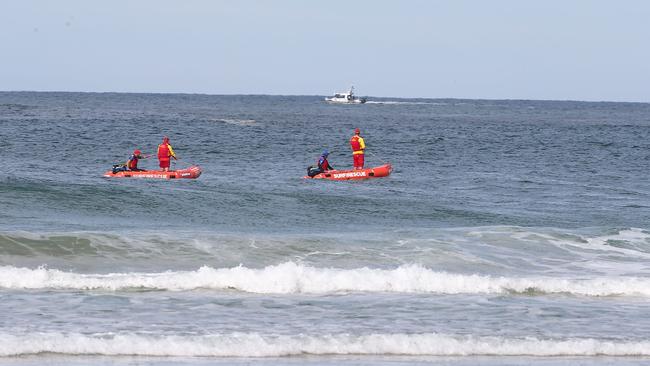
192, 172
376, 172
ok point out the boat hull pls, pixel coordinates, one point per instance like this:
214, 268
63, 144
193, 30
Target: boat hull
345, 101
192, 172
369, 173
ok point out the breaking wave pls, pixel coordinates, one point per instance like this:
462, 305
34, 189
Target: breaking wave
293, 278
258, 345
630, 243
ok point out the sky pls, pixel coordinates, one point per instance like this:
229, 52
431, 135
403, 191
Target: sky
499, 49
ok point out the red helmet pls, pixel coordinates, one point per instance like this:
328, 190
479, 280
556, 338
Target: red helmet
165, 139
357, 131
137, 152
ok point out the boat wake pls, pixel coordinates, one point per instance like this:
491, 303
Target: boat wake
396, 102
237, 122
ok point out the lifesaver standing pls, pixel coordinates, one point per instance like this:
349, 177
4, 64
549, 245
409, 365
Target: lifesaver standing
358, 148
165, 152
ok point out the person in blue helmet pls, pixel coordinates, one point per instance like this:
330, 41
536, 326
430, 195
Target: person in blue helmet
323, 165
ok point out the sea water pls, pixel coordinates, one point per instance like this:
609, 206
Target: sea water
510, 232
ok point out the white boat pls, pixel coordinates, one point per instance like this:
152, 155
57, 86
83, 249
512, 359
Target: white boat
346, 98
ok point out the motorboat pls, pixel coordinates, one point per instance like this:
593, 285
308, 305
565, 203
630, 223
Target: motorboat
192, 172
354, 174
346, 98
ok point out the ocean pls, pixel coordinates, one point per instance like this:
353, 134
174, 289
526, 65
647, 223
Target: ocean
510, 232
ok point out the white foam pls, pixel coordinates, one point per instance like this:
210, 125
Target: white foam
258, 345
293, 278
632, 235
621, 253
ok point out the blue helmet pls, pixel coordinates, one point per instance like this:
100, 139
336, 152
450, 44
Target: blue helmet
325, 153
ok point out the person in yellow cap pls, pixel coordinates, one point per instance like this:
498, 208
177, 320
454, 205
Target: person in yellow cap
358, 148
132, 163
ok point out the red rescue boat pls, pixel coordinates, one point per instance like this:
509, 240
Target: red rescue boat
376, 172
192, 172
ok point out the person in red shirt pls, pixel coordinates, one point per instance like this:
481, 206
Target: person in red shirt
323, 165
165, 152
358, 149
132, 163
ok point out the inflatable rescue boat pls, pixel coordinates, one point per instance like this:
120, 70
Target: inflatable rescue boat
376, 172
192, 172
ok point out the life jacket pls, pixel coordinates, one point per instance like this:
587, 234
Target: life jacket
323, 164
354, 142
163, 152
132, 163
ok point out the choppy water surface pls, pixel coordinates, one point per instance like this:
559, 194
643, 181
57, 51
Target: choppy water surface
510, 232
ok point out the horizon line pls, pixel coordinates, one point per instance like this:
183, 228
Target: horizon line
319, 95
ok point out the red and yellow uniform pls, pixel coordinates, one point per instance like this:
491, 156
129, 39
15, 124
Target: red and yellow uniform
358, 148
165, 152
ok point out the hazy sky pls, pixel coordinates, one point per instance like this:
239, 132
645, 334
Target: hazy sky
579, 50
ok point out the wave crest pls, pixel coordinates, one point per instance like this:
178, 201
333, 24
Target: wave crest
293, 278
258, 345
